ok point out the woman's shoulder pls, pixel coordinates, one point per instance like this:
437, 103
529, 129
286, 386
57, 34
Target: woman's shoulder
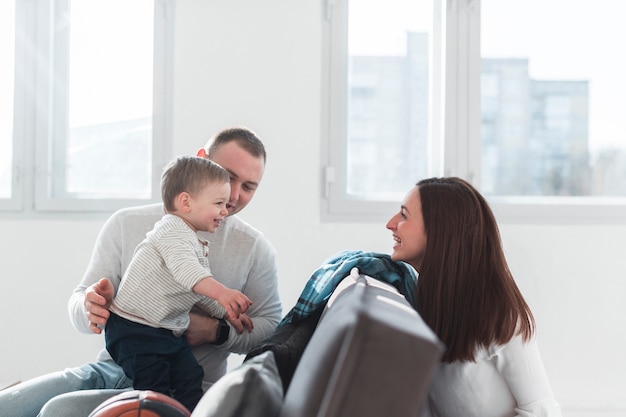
517, 344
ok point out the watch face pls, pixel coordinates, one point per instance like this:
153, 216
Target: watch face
222, 332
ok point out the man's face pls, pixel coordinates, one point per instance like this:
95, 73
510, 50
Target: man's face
245, 170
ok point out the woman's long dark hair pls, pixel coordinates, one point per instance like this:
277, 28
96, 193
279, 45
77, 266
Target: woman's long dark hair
465, 291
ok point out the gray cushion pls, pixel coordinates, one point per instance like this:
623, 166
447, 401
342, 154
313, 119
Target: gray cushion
254, 389
371, 355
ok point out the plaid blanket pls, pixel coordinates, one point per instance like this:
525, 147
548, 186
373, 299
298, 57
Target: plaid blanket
325, 279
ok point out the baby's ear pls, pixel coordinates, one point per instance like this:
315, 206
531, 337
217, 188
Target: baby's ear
183, 202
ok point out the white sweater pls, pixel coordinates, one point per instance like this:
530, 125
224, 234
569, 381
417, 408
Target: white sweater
240, 256
505, 381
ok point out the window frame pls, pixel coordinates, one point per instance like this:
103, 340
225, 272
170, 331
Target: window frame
455, 125
33, 110
16, 201
336, 205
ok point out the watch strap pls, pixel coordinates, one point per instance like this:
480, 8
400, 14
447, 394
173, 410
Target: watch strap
223, 331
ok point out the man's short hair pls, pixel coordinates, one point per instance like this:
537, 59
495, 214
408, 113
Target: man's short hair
246, 138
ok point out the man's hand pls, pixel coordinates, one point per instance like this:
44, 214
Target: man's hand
98, 298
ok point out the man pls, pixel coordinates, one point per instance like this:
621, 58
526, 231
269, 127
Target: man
239, 255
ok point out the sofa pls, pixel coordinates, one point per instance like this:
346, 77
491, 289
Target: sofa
366, 353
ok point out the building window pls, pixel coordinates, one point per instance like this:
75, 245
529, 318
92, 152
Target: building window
464, 88
570, 92
91, 120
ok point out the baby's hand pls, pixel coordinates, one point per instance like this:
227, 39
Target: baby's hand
234, 302
242, 322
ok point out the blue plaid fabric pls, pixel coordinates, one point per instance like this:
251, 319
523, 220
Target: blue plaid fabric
325, 279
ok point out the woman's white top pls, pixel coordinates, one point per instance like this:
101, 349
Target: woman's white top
505, 381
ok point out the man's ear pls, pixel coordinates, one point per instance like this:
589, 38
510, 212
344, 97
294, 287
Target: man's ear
183, 202
202, 153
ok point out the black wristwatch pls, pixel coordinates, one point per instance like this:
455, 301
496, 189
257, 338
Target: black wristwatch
223, 331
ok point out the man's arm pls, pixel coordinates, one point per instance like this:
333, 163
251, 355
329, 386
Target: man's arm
202, 328
112, 252
262, 288
105, 262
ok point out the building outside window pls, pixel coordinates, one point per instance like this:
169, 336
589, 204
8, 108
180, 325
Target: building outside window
530, 117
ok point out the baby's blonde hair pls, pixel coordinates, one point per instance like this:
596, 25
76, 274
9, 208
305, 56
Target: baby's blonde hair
189, 174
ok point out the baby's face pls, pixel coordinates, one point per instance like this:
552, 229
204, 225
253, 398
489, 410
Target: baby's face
209, 207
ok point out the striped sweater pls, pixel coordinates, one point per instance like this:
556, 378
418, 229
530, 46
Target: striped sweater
156, 289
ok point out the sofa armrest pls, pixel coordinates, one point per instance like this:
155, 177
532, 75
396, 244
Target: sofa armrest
371, 355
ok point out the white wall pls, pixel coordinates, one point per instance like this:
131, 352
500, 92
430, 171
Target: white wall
259, 64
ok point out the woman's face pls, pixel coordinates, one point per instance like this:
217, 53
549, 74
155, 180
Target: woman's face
408, 231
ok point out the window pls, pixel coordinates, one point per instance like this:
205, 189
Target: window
7, 62
86, 124
422, 88
571, 89
379, 106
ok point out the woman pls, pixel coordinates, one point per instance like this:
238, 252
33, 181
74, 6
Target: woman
467, 295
